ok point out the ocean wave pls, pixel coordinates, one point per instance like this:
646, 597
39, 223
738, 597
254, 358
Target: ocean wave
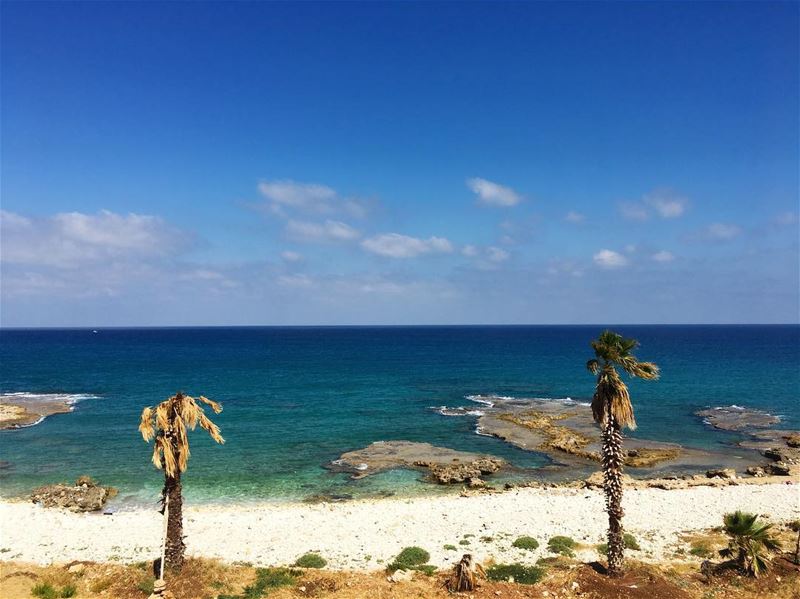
491, 399
26, 396
459, 411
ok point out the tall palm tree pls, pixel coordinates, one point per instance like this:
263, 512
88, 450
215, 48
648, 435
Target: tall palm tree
749, 542
612, 410
168, 423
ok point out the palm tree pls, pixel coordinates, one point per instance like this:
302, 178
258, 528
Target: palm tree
612, 410
750, 542
168, 423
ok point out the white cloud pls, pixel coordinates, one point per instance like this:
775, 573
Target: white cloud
609, 259
722, 231
666, 203
394, 245
633, 211
663, 256
311, 198
496, 254
290, 256
574, 217
328, 231
470, 251
493, 194
70, 239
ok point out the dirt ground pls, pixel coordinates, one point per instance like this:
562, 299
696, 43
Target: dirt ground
207, 579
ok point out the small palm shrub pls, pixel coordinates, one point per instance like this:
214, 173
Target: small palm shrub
794, 526
515, 573
311, 560
749, 542
562, 545
528, 543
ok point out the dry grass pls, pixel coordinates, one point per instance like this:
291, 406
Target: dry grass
568, 579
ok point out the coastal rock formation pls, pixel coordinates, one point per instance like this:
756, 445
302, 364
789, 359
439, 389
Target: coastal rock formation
18, 410
728, 473
444, 466
736, 418
84, 496
565, 431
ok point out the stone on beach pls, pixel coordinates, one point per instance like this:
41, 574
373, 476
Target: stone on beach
84, 496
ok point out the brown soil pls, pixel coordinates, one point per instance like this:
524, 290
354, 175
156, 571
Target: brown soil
206, 579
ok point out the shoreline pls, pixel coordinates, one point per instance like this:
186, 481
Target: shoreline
366, 534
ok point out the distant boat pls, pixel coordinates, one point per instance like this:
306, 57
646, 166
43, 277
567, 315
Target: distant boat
94, 331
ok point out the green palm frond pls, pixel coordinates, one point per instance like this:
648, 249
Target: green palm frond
750, 542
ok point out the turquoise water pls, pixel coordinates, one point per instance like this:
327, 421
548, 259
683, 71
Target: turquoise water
296, 398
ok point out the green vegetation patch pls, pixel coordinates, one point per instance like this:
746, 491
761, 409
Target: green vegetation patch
266, 579
311, 560
701, 549
45, 590
630, 542
528, 543
412, 558
562, 545
516, 573
450, 548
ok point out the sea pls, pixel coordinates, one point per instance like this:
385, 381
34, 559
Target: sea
296, 398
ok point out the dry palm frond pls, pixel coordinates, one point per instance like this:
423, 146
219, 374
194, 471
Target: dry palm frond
162, 414
146, 424
611, 398
212, 428
157, 451
643, 370
214, 405
189, 411
169, 422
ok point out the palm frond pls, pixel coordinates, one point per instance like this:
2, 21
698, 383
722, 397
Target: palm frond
157, 451
214, 405
611, 398
212, 428
188, 411
146, 424
593, 366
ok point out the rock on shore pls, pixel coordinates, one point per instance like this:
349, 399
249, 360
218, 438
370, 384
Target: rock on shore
84, 496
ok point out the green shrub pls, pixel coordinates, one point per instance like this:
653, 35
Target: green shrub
69, 590
528, 543
410, 558
266, 579
44, 590
464, 542
627, 538
562, 545
428, 569
311, 560
146, 585
450, 548
630, 542
701, 549
519, 573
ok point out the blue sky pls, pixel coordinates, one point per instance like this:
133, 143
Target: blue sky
348, 163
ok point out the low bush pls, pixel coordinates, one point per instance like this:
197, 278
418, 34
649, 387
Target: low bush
516, 573
528, 543
44, 590
562, 545
311, 560
410, 558
266, 579
630, 542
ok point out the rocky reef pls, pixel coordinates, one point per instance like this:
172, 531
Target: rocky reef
442, 465
84, 496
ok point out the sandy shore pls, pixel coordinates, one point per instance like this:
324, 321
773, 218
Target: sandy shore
359, 534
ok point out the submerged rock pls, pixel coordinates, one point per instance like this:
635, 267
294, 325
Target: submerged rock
444, 465
736, 418
84, 496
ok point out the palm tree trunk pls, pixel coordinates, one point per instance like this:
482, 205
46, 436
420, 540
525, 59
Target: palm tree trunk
175, 547
797, 550
612, 486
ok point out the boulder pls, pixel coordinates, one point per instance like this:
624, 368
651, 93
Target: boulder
401, 576
779, 469
728, 473
84, 496
793, 440
756, 471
